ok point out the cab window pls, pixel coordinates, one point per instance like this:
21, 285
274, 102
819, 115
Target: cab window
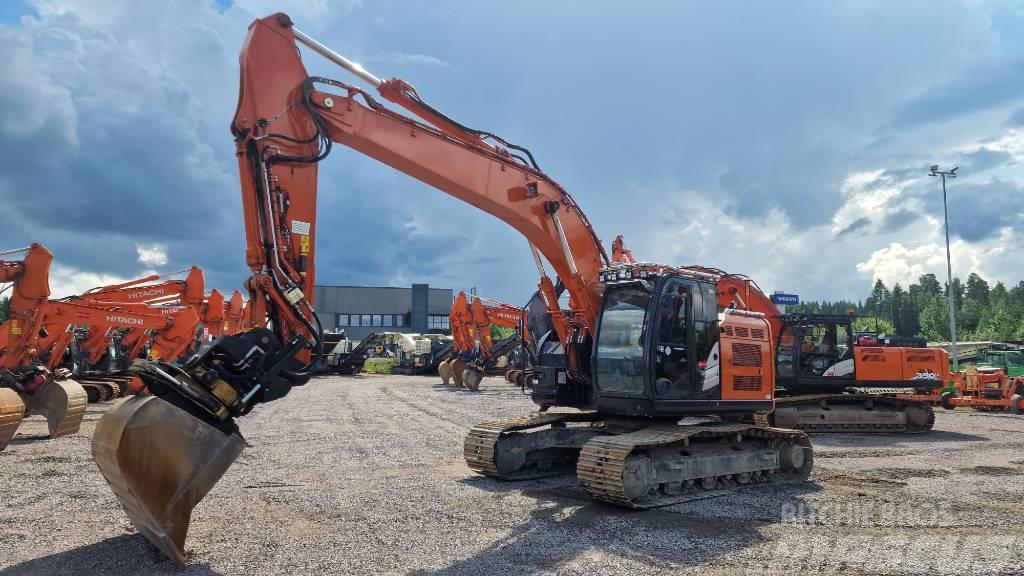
672, 347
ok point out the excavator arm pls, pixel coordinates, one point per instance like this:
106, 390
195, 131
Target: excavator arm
284, 125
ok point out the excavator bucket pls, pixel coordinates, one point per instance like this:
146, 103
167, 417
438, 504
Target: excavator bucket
457, 368
62, 403
12, 409
161, 461
472, 378
445, 371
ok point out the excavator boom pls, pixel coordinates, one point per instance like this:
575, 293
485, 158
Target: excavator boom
286, 122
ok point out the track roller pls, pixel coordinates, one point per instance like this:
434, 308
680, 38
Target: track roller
539, 445
852, 413
668, 463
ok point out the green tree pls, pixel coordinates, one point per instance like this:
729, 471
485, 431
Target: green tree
929, 284
998, 294
877, 303
5, 308
873, 324
969, 318
958, 293
977, 289
904, 316
935, 320
1002, 325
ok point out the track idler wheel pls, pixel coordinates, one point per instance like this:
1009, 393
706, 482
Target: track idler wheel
445, 371
61, 403
12, 410
160, 461
457, 367
472, 379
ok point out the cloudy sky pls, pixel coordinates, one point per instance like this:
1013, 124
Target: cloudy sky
788, 141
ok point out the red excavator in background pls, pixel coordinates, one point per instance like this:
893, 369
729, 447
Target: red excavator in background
625, 353
36, 325
473, 349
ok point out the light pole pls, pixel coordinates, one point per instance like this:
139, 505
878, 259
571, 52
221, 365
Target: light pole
949, 266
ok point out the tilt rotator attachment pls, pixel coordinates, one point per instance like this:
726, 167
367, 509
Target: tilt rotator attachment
162, 452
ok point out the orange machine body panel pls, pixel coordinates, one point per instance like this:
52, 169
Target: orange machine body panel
892, 364
747, 366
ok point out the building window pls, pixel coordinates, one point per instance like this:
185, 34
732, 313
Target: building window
399, 320
438, 322
367, 319
388, 319
342, 320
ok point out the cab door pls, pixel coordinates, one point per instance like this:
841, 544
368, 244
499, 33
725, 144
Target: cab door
674, 359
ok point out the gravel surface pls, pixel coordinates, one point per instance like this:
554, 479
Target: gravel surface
364, 475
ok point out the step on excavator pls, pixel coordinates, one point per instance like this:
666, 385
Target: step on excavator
27, 386
622, 364
473, 349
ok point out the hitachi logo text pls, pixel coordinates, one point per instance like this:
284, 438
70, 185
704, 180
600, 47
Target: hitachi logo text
124, 320
145, 293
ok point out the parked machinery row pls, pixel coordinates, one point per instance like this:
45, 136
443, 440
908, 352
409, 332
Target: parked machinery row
474, 352
57, 355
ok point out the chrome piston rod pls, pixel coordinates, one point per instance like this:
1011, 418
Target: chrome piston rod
338, 59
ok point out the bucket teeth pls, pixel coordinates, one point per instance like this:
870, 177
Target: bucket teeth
12, 410
62, 403
160, 462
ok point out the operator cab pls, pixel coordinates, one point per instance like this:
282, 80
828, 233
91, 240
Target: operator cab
659, 349
815, 348
815, 351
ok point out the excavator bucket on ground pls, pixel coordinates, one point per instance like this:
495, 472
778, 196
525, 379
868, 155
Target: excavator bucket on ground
62, 403
445, 371
457, 367
471, 379
161, 461
12, 410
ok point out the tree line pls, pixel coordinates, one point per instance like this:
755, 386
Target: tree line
922, 309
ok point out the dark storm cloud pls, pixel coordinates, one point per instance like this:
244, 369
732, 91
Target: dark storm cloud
984, 159
101, 152
897, 220
977, 210
972, 90
113, 127
855, 226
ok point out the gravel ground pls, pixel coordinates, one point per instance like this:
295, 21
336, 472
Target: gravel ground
364, 475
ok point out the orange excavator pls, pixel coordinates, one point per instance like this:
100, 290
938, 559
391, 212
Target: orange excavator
234, 313
96, 348
37, 325
231, 317
628, 357
473, 349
